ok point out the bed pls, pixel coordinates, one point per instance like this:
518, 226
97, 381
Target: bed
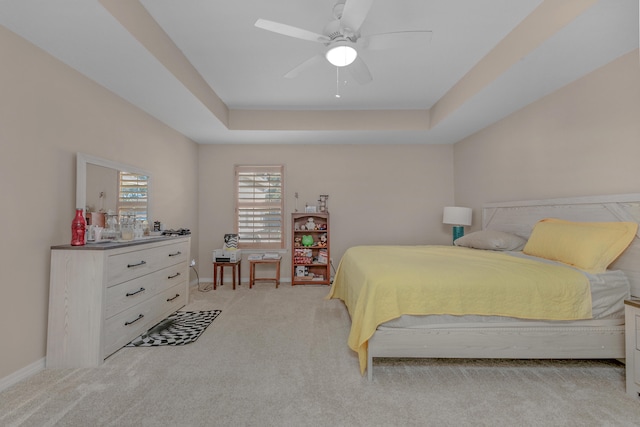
586, 324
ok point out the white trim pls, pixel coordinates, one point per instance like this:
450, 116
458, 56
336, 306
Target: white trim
22, 374
244, 280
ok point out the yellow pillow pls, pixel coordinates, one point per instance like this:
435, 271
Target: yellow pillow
589, 246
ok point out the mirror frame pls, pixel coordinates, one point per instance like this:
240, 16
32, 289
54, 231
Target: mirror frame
81, 177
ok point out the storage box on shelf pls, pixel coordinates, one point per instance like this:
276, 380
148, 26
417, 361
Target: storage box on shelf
310, 257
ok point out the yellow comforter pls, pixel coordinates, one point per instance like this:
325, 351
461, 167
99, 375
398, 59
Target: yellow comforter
380, 283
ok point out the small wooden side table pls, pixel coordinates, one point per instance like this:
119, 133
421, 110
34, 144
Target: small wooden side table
235, 267
252, 270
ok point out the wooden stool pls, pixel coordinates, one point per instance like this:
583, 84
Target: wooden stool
252, 270
235, 266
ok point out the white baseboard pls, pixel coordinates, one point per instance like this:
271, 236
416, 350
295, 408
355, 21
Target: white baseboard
22, 374
244, 280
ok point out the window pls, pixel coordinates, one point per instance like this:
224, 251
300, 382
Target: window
132, 195
260, 206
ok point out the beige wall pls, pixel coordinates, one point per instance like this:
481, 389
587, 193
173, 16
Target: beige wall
583, 139
377, 194
48, 112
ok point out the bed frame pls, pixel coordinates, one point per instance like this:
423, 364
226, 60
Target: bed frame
526, 342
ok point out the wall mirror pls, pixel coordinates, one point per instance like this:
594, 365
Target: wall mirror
103, 185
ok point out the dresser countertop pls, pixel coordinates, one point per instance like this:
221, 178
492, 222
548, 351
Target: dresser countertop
106, 244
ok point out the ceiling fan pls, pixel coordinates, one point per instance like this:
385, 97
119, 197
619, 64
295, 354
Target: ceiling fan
342, 38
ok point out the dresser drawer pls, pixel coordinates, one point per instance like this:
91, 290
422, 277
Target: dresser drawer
124, 295
125, 326
136, 263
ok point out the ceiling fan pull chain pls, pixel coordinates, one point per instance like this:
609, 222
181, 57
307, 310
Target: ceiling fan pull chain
337, 82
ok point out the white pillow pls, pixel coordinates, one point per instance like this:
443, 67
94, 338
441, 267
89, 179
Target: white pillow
492, 240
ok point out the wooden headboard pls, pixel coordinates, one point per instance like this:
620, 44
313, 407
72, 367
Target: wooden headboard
520, 217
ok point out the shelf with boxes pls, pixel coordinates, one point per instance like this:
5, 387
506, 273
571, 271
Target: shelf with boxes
310, 255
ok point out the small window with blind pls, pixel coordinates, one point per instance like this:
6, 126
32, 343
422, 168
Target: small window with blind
260, 207
133, 190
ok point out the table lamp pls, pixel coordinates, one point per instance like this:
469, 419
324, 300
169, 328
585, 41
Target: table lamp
458, 217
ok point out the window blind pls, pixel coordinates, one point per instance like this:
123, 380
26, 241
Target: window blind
259, 206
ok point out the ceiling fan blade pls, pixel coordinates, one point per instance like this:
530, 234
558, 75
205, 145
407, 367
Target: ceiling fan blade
412, 39
288, 30
309, 63
359, 71
354, 14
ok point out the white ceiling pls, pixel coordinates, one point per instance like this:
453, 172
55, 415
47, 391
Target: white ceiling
244, 65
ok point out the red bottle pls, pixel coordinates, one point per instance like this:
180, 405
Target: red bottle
78, 227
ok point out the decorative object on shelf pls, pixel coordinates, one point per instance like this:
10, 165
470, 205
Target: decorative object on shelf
127, 224
322, 203
310, 225
303, 256
323, 256
97, 234
307, 240
230, 242
310, 209
112, 232
78, 228
458, 217
323, 240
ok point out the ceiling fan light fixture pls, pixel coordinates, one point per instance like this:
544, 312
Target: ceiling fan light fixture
341, 55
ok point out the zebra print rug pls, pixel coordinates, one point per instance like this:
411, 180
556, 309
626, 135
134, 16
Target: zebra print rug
182, 327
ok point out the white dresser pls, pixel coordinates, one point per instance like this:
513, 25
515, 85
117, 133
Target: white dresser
102, 296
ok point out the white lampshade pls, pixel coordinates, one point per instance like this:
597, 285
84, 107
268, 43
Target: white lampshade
457, 215
341, 55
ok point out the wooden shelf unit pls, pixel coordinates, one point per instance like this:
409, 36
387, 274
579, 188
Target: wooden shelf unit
310, 265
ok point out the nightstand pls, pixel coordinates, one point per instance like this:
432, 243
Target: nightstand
632, 344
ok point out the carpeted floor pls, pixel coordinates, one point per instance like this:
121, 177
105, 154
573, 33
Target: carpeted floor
278, 357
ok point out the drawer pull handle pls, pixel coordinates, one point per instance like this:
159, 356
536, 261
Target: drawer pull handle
176, 254
140, 316
171, 299
174, 276
130, 294
136, 265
